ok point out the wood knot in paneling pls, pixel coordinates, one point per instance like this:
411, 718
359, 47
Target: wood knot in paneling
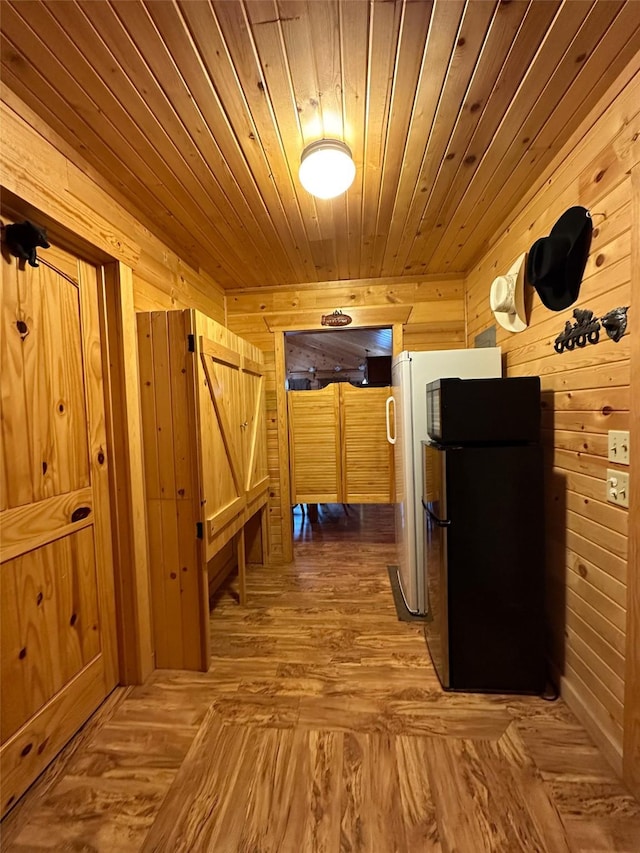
79, 513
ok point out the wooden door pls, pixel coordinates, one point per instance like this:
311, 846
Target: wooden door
222, 417
338, 446
58, 658
179, 599
254, 429
367, 456
314, 445
204, 427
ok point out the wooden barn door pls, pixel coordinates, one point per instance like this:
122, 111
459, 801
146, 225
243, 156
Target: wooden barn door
254, 429
221, 442
58, 658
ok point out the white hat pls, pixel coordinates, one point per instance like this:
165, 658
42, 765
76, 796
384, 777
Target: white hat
507, 298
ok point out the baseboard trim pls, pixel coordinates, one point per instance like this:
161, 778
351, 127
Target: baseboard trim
610, 748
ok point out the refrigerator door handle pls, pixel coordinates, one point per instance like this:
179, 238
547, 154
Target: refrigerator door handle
387, 405
439, 521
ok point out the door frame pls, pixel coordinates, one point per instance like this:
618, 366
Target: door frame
281, 400
118, 340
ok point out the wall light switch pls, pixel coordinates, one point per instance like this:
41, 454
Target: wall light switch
619, 446
618, 487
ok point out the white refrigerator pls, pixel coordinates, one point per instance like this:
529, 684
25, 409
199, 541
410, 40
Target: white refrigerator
406, 430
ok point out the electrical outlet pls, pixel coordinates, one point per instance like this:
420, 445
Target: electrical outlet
619, 446
618, 487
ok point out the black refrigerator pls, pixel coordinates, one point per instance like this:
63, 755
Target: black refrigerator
484, 534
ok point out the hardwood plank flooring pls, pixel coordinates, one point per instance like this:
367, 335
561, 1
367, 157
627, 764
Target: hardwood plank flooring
321, 726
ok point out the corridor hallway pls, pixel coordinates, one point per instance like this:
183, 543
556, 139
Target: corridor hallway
322, 727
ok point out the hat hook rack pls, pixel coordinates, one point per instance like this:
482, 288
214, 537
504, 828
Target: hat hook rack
587, 327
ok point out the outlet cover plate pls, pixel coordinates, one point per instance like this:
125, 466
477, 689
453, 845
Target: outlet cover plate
619, 446
618, 487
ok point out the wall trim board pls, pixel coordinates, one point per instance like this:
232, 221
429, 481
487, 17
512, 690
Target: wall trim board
283, 445
387, 281
631, 731
17, 208
363, 317
128, 501
609, 748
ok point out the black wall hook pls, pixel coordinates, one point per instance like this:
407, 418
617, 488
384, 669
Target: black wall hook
586, 329
24, 238
614, 322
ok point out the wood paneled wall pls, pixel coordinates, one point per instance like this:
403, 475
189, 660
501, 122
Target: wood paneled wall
586, 393
44, 178
436, 321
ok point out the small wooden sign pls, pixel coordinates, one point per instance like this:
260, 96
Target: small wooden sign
336, 319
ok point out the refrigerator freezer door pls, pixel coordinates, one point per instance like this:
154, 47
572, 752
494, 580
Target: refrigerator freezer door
495, 556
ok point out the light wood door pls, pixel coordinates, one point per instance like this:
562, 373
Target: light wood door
254, 429
204, 427
222, 416
58, 658
338, 446
314, 445
179, 600
367, 456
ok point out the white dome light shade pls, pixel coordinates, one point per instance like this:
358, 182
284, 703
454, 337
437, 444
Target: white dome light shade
326, 168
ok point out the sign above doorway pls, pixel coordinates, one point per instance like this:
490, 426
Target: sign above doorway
336, 319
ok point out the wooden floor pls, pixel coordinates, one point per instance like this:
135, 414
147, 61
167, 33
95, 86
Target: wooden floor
321, 727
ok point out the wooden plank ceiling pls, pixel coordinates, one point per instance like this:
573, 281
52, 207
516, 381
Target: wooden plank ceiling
197, 113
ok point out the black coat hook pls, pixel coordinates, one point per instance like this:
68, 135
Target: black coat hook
24, 238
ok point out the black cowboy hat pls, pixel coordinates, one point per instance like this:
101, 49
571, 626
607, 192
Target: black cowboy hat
556, 263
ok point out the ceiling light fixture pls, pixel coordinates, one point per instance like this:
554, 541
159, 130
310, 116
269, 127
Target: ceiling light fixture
327, 168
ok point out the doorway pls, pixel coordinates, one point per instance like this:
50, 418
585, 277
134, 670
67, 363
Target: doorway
360, 357
340, 460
